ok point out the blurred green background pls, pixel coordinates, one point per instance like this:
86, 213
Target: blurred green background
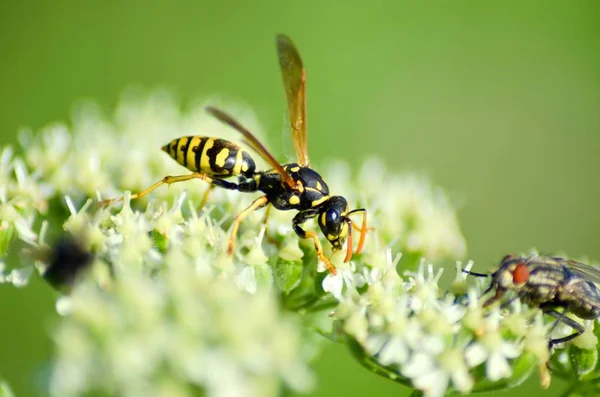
498, 102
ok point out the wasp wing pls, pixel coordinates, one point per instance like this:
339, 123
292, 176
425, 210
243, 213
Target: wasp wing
588, 272
294, 82
253, 142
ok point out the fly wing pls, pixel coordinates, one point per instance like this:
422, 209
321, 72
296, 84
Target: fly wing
588, 272
294, 82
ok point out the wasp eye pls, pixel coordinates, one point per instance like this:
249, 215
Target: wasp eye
520, 274
332, 218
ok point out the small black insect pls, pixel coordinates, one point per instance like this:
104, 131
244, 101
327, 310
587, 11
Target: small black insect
65, 261
549, 283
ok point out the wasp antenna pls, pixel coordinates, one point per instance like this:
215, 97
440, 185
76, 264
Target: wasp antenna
363, 229
349, 242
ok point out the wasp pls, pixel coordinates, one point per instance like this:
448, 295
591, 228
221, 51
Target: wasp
550, 283
292, 186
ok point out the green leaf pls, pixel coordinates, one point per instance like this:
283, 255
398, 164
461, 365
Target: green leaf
307, 293
264, 276
287, 274
7, 235
161, 242
583, 361
370, 363
522, 368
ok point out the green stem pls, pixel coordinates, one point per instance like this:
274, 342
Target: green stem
369, 363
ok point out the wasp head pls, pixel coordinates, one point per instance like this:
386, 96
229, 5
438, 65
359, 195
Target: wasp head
333, 221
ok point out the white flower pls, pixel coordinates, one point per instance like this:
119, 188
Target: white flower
536, 339
291, 250
393, 351
424, 287
423, 219
433, 375
246, 279
20, 277
474, 319
334, 283
587, 340
494, 350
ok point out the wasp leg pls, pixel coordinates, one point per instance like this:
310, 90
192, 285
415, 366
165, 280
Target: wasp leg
302, 217
562, 317
349, 243
205, 197
256, 204
267, 213
167, 180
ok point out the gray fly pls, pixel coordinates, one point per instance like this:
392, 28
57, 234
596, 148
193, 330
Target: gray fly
549, 283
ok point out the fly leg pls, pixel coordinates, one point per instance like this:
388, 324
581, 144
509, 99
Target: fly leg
509, 302
302, 217
562, 317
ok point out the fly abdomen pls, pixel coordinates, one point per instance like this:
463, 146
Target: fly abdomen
211, 156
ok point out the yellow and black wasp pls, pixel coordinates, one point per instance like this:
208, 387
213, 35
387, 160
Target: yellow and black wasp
549, 283
293, 186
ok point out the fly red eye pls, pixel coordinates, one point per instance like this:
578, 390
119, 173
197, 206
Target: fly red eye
520, 274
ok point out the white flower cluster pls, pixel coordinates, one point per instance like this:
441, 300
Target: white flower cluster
175, 335
22, 197
169, 319
408, 213
165, 311
427, 338
168, 312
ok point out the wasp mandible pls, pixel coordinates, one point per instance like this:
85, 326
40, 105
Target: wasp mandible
293, 186
549, 283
